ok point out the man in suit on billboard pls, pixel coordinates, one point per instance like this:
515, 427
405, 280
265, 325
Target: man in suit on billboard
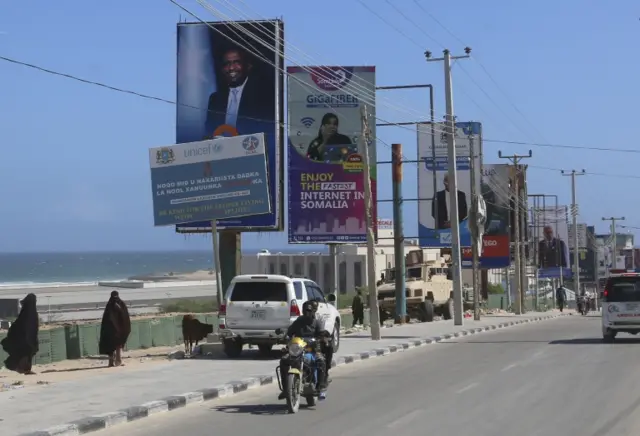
242, 101
442, 220
552, 250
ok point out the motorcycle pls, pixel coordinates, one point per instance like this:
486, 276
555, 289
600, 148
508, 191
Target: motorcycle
302, 377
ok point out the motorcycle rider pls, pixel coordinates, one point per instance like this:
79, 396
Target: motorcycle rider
561, 297
305, 326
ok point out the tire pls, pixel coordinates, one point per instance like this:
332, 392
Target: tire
265, 349
335, 338
608, 336
448, 310
232, 348
293, 393
311, 400
426, 311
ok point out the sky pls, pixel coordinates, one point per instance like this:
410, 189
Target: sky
74, 170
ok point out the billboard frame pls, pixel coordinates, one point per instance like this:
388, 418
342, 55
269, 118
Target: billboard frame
278, 200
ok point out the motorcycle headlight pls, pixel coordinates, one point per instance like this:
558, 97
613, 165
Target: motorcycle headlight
295, 350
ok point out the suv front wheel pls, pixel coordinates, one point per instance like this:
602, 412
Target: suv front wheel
608, 335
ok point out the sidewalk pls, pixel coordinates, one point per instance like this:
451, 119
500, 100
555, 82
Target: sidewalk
136, 393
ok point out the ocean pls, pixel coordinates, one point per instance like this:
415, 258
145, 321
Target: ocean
31, 270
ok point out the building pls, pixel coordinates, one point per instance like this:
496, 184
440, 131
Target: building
352, 262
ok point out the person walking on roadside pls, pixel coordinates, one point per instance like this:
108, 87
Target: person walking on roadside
357, 308
21, 343
115, 329
561, 297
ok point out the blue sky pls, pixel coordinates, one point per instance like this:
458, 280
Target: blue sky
74, 168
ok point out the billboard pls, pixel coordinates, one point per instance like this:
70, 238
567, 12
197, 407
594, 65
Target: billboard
433, 210
229, 83
582, 236
326, 180
494, 187
495, 253
206, 180
550, 227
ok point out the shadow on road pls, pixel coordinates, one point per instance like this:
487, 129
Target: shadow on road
255, 409
491, 342
591, 341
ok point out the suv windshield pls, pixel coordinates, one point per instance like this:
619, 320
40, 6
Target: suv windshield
259, 291
622, 289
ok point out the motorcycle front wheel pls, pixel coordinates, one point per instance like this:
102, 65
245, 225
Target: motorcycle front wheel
293, 393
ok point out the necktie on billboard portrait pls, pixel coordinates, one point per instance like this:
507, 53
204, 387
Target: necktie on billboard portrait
232, 109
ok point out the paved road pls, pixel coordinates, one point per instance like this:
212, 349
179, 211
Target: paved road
550, 378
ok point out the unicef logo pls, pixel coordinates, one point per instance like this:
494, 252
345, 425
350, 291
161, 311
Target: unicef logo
217, 147
250, 144
331, 78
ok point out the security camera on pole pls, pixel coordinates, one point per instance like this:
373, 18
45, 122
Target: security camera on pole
456, 266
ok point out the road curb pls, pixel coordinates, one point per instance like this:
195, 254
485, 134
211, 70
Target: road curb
91, 424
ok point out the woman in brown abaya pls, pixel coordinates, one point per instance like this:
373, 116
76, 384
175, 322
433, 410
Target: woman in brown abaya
115, 329
21, 343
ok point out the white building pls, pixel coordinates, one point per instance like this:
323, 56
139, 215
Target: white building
352, 261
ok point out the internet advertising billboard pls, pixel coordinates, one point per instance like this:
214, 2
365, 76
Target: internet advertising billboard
230, 83
326, 179
553, 236
434, 228
211, 179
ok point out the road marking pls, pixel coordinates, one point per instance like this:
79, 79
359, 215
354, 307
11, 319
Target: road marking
404, 419
508, 367
466, 388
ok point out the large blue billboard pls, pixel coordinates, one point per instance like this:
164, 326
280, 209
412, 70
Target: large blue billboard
230, 82
207, 180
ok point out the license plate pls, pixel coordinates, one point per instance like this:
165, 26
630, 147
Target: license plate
632, 306
258, 314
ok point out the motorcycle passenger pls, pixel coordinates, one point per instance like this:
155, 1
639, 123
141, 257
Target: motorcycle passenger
305, 326
561, 297
582, 301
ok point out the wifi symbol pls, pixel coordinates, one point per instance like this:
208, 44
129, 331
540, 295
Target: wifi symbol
307, 121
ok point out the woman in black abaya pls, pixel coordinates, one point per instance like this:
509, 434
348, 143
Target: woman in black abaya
115, 329
21, 343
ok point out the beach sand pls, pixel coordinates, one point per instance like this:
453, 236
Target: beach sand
82, 368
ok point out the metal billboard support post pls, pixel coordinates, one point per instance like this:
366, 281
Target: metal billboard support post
456, 254
374, 314
398, 233
614, 255
475, 236
574, 215
335, 269
216, 262
517, 243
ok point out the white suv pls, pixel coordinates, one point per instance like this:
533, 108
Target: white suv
257, 305
621, 305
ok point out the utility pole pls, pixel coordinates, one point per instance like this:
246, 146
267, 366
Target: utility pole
574, 215
453, 182
476, 239
518, 270
613, 240
374, 314
398, 233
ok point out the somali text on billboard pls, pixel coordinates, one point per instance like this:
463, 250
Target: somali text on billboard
434, 229
227, 85
207, 180
326, 180
549, 228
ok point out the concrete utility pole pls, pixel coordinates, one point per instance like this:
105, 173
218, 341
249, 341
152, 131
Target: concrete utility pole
453, 182
475, 236
216, 263
374, 314
574, 215
517, 205
613, 240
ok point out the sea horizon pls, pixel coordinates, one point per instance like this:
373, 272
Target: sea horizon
87, 268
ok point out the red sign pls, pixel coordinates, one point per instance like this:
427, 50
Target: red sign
492, 246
